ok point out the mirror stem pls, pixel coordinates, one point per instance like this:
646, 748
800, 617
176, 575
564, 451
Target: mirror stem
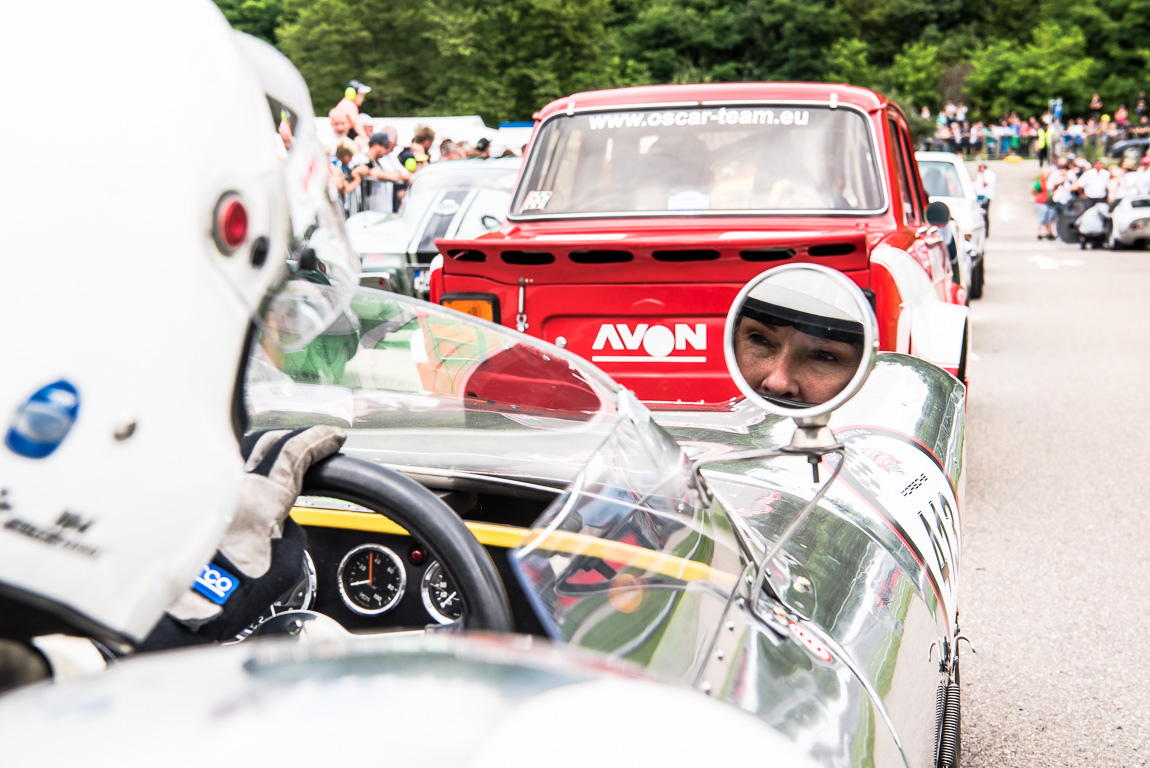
813, 439
781, 542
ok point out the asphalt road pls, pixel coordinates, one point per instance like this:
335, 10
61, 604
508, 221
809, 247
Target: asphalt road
1056, 550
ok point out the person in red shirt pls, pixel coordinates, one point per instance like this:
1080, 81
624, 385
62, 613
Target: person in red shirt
1047, 213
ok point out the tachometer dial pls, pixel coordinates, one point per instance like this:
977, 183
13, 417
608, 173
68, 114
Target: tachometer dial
440, 597
371, 579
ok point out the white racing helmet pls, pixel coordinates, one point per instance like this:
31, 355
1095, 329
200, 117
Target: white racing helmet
147, 244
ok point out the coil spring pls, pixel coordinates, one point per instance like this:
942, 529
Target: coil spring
939, 712
948, 749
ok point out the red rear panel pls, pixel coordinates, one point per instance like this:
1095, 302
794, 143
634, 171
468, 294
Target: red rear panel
651, 312
661, 355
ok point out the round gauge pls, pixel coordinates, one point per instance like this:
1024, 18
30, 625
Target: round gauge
440, 597
302, 595
371, 579
299, 598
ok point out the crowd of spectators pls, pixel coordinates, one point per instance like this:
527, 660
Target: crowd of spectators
370, 171
1075, 188
1073, 193
1045, 137
955, 133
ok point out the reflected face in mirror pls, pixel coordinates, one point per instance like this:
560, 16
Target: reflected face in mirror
784, 361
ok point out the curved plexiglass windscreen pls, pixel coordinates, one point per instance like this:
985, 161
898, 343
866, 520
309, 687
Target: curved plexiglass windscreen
321, 265
628, 561
731, 159
421, 386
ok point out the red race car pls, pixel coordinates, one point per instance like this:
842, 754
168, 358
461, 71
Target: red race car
640, 212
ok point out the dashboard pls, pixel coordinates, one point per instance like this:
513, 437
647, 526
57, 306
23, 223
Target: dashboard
370, 575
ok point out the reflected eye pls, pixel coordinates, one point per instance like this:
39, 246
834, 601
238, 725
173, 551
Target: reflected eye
826, 356
761, 341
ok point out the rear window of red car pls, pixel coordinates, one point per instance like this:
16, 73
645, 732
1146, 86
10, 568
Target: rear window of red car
696, 160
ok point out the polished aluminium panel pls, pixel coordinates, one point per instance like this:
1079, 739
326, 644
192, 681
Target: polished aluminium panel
871, 625
792, 678
868, 588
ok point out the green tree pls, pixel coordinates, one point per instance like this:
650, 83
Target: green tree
334, 41
501, 60
795, 39
1012, 19
916, 73
1006, 77
889, 26
1122, 62
506, 60
256, 17
688, 40
849, 62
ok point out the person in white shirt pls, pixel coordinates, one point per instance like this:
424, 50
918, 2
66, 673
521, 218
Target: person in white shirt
985, 185
1057, 176
1142, 177
1059, 185
1064, 192
1092, 225
1123, 184
1094, 183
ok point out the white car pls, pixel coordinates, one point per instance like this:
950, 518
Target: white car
1130, 222
947, 180
961, 256
455, 199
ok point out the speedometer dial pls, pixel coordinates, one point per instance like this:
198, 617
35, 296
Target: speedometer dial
440, 597
371, 579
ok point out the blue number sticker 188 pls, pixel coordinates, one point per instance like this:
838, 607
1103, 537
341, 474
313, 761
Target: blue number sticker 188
216, 584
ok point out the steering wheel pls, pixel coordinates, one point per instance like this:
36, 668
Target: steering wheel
428, 519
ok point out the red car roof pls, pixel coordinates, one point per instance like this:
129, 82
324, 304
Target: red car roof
710, 92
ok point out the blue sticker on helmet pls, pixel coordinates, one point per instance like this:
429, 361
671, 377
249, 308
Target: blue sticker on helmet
43, 422
216, 584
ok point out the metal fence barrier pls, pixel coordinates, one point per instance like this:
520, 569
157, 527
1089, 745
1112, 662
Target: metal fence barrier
373, 195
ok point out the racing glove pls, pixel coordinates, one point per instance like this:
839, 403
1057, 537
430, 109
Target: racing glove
262, 553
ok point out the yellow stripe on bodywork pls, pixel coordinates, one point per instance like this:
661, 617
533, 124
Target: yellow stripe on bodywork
488, 534
507, 536
636, 557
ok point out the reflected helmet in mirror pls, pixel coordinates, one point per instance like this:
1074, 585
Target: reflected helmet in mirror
824, 314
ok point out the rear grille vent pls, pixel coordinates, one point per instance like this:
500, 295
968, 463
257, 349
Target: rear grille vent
467, 255
768, 254
700, 255
527, 258
601, 257
832, 249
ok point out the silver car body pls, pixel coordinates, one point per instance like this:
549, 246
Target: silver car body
1130, 222
638, 573
948, 180
456, 199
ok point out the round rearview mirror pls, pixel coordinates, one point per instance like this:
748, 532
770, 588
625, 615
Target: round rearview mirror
937, 214
800, 340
